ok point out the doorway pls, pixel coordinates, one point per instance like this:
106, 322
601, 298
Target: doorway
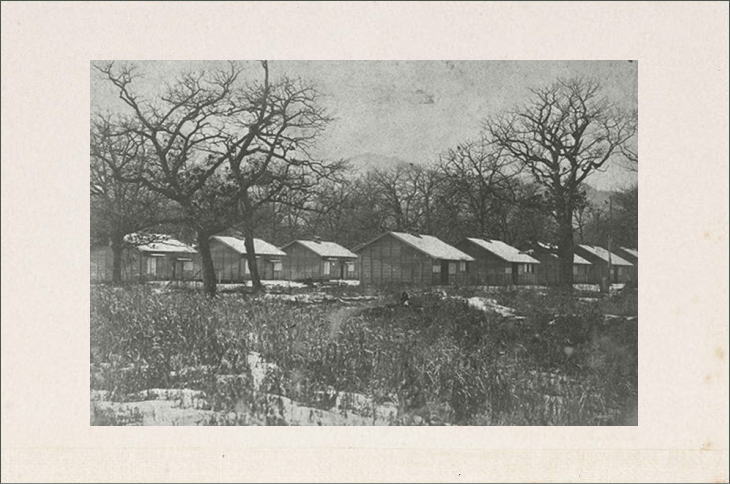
444, 272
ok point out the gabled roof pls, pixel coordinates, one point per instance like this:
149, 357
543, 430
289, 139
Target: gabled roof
158, 243
261, 247
503, 250
603, 254
324, 248
634, 252
552, 249
427, 244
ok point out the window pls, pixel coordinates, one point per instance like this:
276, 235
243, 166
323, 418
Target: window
326, 268
350, 267
151, 265
575, 270
246, 269
462, 266
187, 265
277, 265
436, 268
508, 270
452, 267
528, 268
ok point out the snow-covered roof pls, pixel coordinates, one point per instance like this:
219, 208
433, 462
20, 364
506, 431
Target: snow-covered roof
603, 254
553, 249
427, 244
634, 252
503, 250
432, 246
324, 249
158, 243
261, 247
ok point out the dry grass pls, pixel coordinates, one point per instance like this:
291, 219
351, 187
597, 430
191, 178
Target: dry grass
438, 360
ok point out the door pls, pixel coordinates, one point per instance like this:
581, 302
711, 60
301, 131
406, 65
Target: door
515, 273
444, 272
342, 270
151, 269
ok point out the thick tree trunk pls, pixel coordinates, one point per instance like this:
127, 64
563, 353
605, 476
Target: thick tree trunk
209, 283
251, 258
117, 246
566, 249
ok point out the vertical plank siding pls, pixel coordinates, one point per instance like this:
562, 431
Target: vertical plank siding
389, 261
302, 264
168, 266
599, 269
490, 270
230, 266
548, 271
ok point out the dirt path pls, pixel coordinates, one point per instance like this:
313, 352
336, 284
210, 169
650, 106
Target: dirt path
342, 314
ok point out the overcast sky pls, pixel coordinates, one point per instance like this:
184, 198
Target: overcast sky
413, 110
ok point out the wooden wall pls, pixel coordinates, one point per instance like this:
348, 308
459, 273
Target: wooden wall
634, 272
490, 270
135, 266
230, 266
548, 272
599, 269
303, 264
389, 261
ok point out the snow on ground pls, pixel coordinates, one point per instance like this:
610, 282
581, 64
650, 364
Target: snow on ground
162, 285
317, 297
294, 413
292, 284
304, 298
160, 406
613, 317
490, 305
279, 408
185, 397
259, 368
345, 282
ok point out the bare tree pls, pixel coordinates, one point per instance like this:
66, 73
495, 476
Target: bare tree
269, 134
479, 175
564, 134
397, 195
427, 182
179, 129
120, 207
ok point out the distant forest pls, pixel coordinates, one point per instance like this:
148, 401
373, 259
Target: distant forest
445, 199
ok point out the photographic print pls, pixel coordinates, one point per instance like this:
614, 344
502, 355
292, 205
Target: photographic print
364, 243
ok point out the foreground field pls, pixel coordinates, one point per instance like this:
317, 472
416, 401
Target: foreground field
513, 358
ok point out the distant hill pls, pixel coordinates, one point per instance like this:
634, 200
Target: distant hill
368, 161
597, 197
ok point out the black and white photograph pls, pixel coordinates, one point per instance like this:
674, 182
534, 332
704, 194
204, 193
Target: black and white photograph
364, 243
